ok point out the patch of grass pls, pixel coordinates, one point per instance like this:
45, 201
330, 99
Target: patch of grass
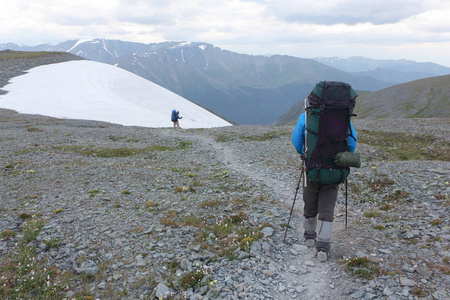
52, 243
436, 222
194, 221
120, 152
372, 214
23, 276
126, 192
387, 207
25, 216
263, 137
379, 227
35, 129
361, 267
406, 146
58, 211
7, 234
223, 137
380, 183
420, 292
210, 203
94, 192
150, 204
184, 189
116, 138
193, 278
396, 196
31, 229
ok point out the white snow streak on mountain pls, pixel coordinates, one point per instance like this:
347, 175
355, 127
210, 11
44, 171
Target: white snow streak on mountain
96, 91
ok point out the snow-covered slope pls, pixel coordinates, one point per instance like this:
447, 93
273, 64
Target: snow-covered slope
96, 91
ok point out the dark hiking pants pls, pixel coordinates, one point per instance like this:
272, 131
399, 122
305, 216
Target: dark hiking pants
321, 200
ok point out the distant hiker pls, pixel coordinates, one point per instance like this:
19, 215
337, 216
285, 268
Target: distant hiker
327, 130
175, 118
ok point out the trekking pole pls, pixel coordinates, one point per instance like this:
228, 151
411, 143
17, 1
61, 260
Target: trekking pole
293, 203
345, 204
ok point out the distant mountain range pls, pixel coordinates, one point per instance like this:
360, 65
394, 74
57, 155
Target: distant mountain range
397, 71
245, 89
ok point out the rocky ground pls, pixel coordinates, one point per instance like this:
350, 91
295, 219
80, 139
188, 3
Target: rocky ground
96, 210
130, 211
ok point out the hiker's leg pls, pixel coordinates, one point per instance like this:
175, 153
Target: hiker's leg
327, 203
310, 210
311, 200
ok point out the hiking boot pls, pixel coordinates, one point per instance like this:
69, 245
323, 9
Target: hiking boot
322, 256
310, 234
310, 242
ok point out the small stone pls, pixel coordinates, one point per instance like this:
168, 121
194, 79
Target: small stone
387, 291
117, 276
407, 282
267, 231
358, 294
309, 263
268, 273
162, 290
422, 271
361, 254
185, 264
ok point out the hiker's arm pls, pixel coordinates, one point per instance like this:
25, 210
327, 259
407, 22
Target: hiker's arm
298, 136
351, 145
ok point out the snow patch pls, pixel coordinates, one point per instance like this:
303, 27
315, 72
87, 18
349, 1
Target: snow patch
96, 91
76, 44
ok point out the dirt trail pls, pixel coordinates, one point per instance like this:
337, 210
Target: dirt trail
301, 270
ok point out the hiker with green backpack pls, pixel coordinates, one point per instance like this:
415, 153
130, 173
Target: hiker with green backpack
325, 138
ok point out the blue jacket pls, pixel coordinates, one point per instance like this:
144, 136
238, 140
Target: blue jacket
298, 136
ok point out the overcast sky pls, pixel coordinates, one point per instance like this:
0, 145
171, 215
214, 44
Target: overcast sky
380, 29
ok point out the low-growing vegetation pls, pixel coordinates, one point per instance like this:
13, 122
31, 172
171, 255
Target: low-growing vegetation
361, 267
23, 276
120, 152
405, 146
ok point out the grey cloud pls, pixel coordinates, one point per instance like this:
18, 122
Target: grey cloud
343, 12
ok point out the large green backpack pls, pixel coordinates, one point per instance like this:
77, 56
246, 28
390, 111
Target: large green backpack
328, 110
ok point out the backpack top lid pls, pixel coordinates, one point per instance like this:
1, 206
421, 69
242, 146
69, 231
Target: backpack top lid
332, 92
174, 111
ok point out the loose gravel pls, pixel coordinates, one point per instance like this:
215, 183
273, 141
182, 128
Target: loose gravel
111, 214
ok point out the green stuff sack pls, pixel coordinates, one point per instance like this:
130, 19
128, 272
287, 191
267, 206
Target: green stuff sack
329, 108
347, 160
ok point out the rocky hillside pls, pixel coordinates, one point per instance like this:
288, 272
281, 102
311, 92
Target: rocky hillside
425, 98
92, 209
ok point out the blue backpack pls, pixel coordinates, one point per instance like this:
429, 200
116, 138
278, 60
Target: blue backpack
174, 115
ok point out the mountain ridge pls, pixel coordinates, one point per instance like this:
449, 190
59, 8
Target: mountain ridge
245, 89
423, 98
